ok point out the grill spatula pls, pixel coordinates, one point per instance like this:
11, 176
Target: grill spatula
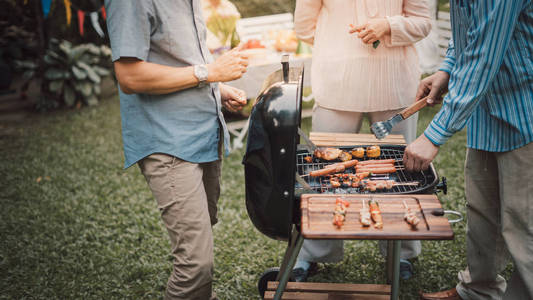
383, 128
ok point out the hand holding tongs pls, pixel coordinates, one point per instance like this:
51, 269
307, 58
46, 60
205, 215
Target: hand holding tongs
383, 128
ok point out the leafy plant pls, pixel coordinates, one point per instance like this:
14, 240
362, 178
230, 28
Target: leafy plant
73, 73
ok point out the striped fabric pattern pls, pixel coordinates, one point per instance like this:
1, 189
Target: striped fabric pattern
490, 62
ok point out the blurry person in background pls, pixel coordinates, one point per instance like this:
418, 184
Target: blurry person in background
364, 62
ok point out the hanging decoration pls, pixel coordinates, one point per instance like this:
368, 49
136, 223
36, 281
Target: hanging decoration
69, 6
81, 20
96, 25
46, 7
68, 11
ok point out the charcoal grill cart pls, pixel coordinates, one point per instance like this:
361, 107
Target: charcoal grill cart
286, 205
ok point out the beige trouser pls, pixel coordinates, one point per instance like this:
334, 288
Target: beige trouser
499, 194
327, 120
186, 195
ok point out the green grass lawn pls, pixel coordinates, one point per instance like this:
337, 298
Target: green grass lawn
75, 225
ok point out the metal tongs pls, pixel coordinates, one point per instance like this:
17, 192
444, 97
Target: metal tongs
383, 128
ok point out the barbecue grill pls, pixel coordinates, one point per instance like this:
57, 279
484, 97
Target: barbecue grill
275, 171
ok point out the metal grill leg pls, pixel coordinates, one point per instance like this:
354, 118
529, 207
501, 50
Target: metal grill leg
389, 261
395, 285
293, 249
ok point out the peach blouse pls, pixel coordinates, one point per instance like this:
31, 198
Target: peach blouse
349, 75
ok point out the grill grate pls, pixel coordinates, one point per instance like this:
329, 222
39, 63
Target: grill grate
426, 179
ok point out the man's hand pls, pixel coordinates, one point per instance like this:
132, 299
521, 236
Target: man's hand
372, 31
229, 66
419, 154
433, 86
232, 98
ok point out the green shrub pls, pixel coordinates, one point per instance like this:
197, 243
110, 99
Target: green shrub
75, 72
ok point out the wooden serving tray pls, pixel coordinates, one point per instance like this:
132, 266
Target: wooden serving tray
317, 218
353, 139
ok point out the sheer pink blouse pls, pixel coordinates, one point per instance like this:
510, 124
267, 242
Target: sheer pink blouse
349, 75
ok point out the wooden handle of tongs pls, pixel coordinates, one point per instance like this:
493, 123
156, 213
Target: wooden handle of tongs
413, 108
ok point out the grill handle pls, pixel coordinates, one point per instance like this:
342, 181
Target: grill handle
285, 65
443, 185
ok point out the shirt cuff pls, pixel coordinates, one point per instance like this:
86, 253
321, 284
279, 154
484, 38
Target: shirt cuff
447, 66
437, 134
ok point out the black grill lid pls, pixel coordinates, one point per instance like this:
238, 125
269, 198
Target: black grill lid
270, 151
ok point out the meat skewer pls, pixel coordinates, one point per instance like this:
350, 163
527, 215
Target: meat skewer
364, 215
375, 213
339, 215
410, 217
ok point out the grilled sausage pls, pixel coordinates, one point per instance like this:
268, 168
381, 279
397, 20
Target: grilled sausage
368, 166
327, 170
381, 170
377, 161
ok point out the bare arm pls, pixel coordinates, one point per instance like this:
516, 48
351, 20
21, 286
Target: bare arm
142, 77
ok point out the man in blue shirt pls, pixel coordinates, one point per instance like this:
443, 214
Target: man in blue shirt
172, 125
488, 71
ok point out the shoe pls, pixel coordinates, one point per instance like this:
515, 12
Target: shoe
301, 274
443, 295
406, 269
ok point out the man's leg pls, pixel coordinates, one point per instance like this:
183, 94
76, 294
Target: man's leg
178, 188
486, 251
516, 192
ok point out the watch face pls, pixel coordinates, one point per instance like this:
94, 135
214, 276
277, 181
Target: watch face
202, 73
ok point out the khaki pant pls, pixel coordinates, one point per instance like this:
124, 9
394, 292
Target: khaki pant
499, 194
186, 195
327, 120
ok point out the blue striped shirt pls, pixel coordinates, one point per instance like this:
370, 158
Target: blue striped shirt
490, 62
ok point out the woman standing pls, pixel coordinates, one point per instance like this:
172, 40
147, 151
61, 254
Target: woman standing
353, 74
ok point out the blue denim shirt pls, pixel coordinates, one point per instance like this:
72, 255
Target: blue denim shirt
186, 124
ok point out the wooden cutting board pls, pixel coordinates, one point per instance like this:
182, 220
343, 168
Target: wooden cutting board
317, 218
353, 139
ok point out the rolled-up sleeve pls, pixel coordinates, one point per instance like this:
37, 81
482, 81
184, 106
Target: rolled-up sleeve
449, 60
305, 19
129, 26
412, 26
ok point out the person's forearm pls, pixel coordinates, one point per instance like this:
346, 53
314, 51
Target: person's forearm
141, 77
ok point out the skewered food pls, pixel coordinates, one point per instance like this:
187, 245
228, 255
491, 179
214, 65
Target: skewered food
375, 213
328, 153
334, 181
308, 159
373, 151
410, 217
373, 185
358, 152
339, 215
364, 215
345, 156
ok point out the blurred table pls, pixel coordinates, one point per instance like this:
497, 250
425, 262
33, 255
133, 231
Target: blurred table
260, 68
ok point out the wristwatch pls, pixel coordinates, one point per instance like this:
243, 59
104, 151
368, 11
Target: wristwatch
201, 72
